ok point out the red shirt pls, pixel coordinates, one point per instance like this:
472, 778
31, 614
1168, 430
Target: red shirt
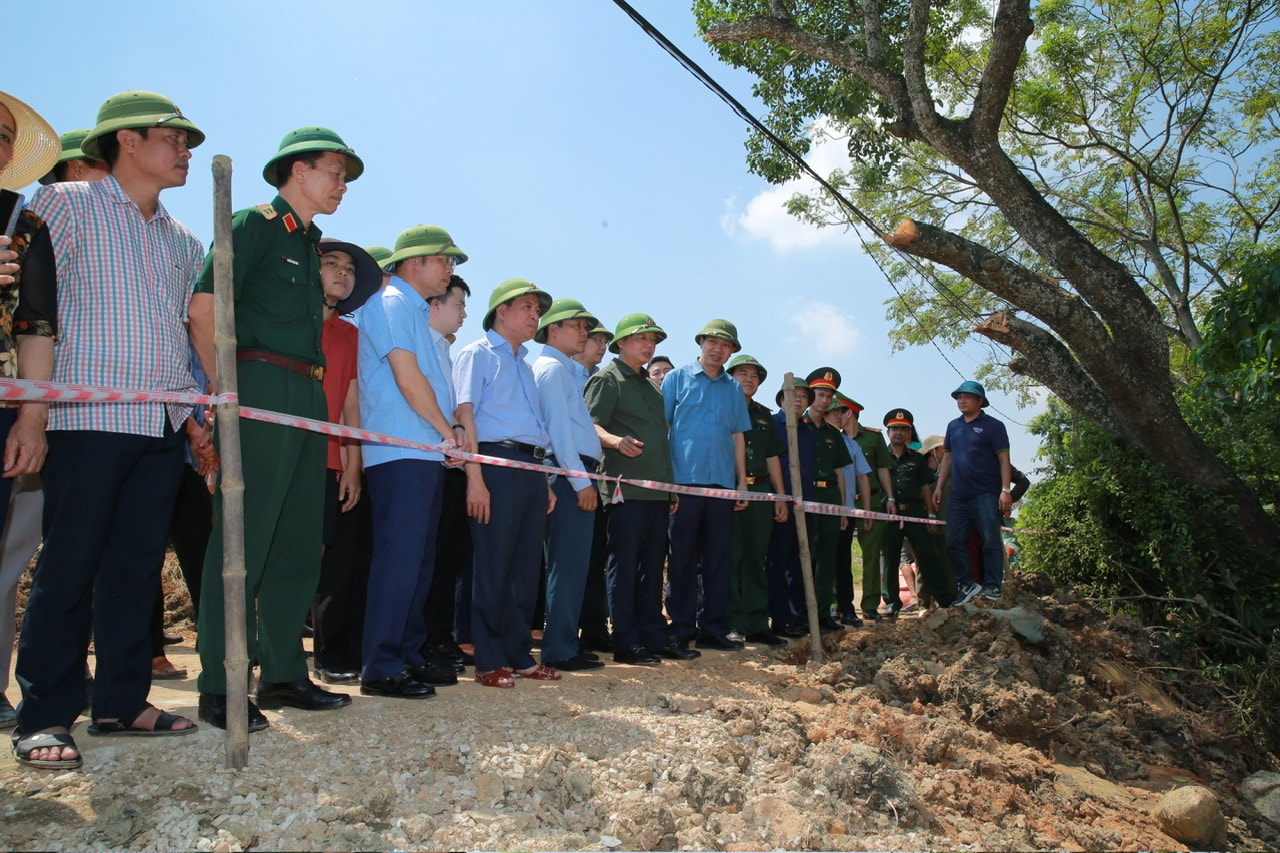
339, 340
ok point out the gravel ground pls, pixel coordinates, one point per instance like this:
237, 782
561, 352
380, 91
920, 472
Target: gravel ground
951, 731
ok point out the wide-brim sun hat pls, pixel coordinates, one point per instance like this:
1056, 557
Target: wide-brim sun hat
931, 442
305, 140
421, 241
975, 388
134, 110
368, 273
745, 360
35, 151
634, 324
513, 288
561, 310
722, 329
71, 150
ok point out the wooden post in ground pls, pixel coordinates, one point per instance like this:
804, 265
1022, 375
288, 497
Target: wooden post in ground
802, 531
224, 341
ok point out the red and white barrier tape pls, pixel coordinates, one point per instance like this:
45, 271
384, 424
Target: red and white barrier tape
31, 389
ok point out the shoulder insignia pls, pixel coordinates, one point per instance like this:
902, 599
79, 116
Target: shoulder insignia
872, 429
290, 224
267, 211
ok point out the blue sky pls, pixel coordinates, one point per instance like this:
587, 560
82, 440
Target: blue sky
555, 141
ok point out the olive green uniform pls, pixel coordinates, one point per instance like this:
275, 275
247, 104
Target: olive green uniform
279, 309
909, 474
830, 455
871, 541
748, 584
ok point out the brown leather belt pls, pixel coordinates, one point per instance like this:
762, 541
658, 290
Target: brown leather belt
312, 371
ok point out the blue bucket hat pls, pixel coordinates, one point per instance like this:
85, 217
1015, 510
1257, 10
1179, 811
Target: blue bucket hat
974, 388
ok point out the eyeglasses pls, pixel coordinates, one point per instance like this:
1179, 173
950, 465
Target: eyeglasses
450, 261
602, 340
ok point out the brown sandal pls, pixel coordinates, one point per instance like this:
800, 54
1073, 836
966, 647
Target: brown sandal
541, 672
500, 677
163, 669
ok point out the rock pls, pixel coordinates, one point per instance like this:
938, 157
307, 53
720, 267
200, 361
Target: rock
1029, 625
1191, 815
1262, 790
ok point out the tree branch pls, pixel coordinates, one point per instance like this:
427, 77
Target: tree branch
1011, 29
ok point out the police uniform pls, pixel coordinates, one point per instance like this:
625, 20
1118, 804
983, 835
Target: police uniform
280, 364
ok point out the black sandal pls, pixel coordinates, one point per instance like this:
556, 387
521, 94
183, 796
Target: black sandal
24, 746
163, 727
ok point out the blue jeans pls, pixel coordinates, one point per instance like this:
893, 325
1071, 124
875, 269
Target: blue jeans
981, 513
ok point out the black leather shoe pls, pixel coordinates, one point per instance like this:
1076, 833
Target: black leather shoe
827, 625
432, 674
720, 642
636, 656
677, 650
303, 694
792, 632
172, 639
870, 616
213, 710
577, 663
402, 686
596, 643
337, 676
766, 637
588, 656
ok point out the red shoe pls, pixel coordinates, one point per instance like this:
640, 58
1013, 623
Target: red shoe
500, 677
538, 673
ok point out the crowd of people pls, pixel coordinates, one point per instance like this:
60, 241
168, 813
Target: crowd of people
411, 560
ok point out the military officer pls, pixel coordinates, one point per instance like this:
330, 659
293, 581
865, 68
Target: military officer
829, 456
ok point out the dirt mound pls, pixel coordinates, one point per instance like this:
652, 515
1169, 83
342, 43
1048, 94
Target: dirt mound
1029, 723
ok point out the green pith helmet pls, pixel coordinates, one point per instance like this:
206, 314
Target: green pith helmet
307, 139
34, 151
133, 110
508, 290
824, 377
801, 385
722, 329
634, 324
71, 150
974, 388
379, 254
747, 360
561, 310
420, 241
599, 329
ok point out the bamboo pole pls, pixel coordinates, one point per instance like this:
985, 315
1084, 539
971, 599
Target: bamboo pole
224, 341
802, 530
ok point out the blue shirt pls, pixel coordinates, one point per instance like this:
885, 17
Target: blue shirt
851, 472
703, 415
561, 381
499, 385
975, 467
396, 317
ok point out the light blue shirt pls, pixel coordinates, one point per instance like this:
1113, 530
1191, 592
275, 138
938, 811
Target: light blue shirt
499, 384
561, 381
396, 317
851, 472
703, 415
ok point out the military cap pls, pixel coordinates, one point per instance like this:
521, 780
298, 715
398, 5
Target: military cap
307, 139
600, 329
899, 417
509, 290
420, 241
721, 329
849, 403
71, 150
745, 360
561, 310
824, 377
135, 110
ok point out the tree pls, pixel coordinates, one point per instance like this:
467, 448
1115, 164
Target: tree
1092, 185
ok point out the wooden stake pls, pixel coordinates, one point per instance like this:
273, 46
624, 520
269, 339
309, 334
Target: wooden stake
802, 530
224, 341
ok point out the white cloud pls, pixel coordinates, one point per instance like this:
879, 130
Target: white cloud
820, 330
765, 216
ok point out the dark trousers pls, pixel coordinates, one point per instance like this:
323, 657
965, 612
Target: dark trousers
189, 535
108, 499
405, 496
593, 620
284, 470
637, 548
568, 552
782, 570
824, 543
448, 609
981, 514
701, 548
844, 567
936, 579
508, 556
338, 612
748, 585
